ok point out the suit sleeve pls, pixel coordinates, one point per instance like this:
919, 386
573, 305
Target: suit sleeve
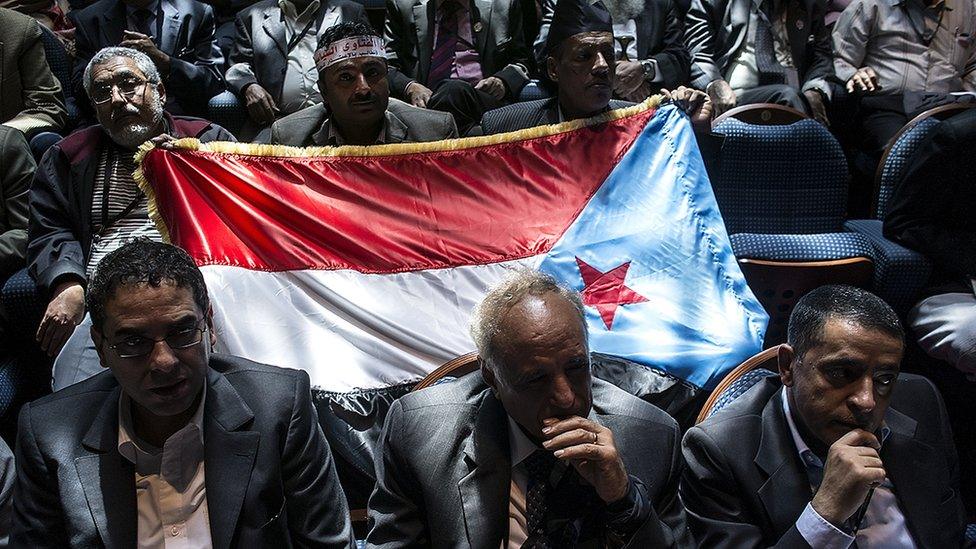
194, 72
16, 171
241, 73
515, 74
673, 60
38, 519
400, 53
700, 41
396, 518
916, 215
822, 63
53, 249
41, 93
317, 512
710, 494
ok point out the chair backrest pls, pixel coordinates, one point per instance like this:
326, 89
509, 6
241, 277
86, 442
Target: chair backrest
57, 58
780, 179
739, 380
454, 368
894, 161
762, 114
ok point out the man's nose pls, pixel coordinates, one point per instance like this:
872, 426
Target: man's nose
563, 395
861, 398
362, 86
162, 359
600, 64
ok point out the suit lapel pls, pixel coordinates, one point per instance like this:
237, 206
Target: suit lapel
787, 490
423, 18
480, 24
485, 489
228, 456
106, 476
918, 485
274, 27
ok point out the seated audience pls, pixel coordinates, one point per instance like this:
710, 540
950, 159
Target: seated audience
356, 107
900, 58
931, 211
273, 68
84, 202
532, 451
178, 35
458, 56
649, 52
173, 444
16, 171
768, 51
838, 449
30, 95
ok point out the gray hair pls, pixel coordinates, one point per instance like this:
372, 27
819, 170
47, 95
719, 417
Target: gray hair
141, 60
486, 317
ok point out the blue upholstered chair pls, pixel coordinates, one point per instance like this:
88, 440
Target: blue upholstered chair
900, 273
60, 63
782, 191
532, 91
228, 111
740, 380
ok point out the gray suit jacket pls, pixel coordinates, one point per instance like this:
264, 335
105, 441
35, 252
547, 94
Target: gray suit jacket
443, 470
270, 477
407, 124
16, 172
261, 50
32, 99
744, 485
499, 41
528, 114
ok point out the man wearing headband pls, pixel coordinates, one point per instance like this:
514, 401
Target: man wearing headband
356, 108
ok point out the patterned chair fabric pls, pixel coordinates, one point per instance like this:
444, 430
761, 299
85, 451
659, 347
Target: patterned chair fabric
798, 187
739, 387
896, 163
22, 301
532, 91
801, 247
227, 111
60, 63
899, 273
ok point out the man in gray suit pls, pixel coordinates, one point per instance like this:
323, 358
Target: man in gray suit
173, 444
273, 68
531, 452
838, 449
356, 107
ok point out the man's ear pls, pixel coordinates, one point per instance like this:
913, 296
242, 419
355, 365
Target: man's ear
488, 375
210, 327
98, 339
551, 69
784, 361
162, 92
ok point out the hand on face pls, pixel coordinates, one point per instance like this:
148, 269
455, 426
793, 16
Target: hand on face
589, 447
853, 468
630, 75
145, 44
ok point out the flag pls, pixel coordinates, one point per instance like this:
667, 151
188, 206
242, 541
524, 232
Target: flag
361, 265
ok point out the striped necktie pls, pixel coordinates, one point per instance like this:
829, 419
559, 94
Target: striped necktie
442, 61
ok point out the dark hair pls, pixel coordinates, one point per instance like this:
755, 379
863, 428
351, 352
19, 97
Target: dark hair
855, 305
345, 30
143, 260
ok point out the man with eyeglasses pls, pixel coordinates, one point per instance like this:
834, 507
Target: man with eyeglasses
174, 446
85, 203
838, 449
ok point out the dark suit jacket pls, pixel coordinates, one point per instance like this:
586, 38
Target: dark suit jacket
270, 477
745, 486
443, 470
16, 172
187, 37
408, 124
260, 49
716, 29
660, 36
497, 29
59, 230
528, 114
931, 208
32, 100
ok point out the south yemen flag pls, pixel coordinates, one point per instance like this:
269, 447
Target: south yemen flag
361, 265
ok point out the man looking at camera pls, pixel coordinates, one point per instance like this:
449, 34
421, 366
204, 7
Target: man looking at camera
531, 452
838, 449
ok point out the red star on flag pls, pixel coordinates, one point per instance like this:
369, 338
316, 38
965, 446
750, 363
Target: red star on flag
607, 291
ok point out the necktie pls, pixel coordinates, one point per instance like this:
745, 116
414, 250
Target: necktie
442, 61
770, 70
539, 466
141, 19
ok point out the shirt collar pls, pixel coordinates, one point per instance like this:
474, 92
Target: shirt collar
519, 445
329, 136
131, 447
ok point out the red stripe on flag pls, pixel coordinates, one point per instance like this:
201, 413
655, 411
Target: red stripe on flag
382, 214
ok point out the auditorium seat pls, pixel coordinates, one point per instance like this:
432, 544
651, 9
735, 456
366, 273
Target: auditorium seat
60, 63
226, 110
738, 381
782, 191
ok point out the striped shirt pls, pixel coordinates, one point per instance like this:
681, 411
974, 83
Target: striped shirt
125, 215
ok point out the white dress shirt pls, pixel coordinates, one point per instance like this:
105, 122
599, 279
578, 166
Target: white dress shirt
300, 87
883, 524
171, 494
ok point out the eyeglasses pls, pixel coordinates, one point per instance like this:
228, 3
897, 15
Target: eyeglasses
137, 346
128, 87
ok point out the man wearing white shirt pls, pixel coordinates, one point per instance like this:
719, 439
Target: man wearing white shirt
838, 449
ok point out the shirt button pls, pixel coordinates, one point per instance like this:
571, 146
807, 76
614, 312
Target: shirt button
175, 530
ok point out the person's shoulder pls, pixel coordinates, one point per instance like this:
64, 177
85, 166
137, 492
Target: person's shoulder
408, 113
314, 114
200, 128
188, 8
464, 392
241, 370
742, 419
517, 116
10, 20
610, 400
83, 398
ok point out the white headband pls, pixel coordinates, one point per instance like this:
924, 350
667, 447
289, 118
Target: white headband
349, 48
